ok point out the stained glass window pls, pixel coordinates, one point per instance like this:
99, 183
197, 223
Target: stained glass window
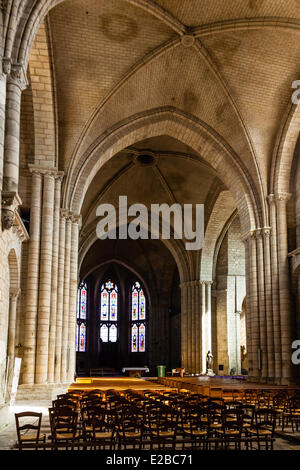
81, 318
82, 337
113, 333
142, 337
109, 312
134, 333
142, 306
104, 333
137, 318
104, 305
135, 303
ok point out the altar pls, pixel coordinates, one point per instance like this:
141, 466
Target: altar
135, 371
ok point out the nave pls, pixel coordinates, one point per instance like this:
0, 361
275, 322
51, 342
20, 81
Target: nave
135, 414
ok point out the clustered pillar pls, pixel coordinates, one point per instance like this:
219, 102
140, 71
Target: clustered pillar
195, 325
50, 320
269, 333
12, 83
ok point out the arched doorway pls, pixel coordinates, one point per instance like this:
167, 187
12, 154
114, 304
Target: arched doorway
129, 308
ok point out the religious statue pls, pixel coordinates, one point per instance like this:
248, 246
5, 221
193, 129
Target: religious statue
209, 364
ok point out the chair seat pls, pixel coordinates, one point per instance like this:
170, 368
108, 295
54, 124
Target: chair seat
200, 432
132, 434
103, 435
164, 433
229, 432
66, 435
262, 432
29, 437
88, 428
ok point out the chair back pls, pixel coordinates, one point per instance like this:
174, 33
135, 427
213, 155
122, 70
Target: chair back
265, 419
63, 421
23, 426
232, 420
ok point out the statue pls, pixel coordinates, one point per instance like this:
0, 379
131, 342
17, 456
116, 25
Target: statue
209, 364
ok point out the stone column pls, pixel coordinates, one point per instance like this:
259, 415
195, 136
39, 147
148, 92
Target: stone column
275, 289
13, 298
268, 300
191, 329
284, 292
42, 346
5, 69
248, 306
193, 332
65, 352
255, 336
73, 295
237, 315
208, 302
32, 288
184, 323
54, 279
190, 326
198, 328
60, 298
16, 83
203, 326
261, 305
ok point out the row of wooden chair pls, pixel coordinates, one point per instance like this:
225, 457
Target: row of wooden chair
115, 419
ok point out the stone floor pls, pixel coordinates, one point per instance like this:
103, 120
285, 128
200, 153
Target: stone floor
8, 429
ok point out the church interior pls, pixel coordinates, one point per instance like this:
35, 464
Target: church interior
169, 103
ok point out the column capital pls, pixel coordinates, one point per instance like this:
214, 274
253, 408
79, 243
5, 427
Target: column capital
256, 234
10, 202
17, 76
76, 219
14, 292
263, 232
282, 197
266, 232
3, 5
46, 171
5, 66
190, 283
248, 236
66, 214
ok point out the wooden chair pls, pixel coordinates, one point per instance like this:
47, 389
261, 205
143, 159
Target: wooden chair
130, 428
216, 416
291, 415
163, 427
103, 431
249, 412
197, 428
87, 415
263, 427
232, 428
280, 404
29, 433
249, 397
63, 425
